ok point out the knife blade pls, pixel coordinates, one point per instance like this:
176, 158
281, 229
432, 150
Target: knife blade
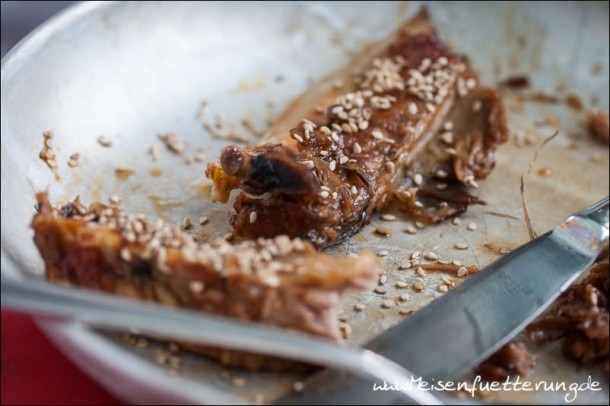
456, 332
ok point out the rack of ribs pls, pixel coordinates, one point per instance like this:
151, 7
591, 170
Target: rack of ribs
410, 120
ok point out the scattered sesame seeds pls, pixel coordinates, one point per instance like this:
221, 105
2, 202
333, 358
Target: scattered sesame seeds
114, 199
126, 254
358, 307
456, 221
380, 290
203, 220
443, 288
332, 165
404, 297
173, 143
418, 287
298, 137
441, 174
472, 226
461, 246
253, 216
343, 160
448, 126
324, 194
447, 137
187, 223
354, 190
383, 253
309, 164
405, 312
401, 284
346, 330
357, 148
406, 265
430, 107
420, 271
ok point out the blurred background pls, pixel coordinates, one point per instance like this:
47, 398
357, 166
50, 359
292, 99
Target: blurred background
21, 17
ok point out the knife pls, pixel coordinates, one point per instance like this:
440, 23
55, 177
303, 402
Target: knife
456, 332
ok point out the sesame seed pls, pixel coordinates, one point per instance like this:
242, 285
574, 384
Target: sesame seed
418, 179
420, 271
431, 256
411, 230
430, 107
456, 221
390, 166
324, 194
417, 286
401, 284
412, 108
325, 130
323, 153
343, 160
125, 254
354, 190
377, 134
451, 151
471, 83
504, 250
461, 246
358, 307
335, 137
442, 186
297, 137
476, 106
388, 217
456, 262
203, 220
196, 286
417, 203
103, 141
441, 174
363, 125
404, 266
346, 330
386, 304
443, 288
447, 137
253, 216
334, 195
309, 164
448, 126
462, 271
383, 279
383, 253
405, 312
385, 232
332, 165
187, 223
472, 226
357, 148
380, 290
404, 297
415, 255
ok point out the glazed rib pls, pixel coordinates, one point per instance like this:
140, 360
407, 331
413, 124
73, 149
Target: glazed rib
414, 123
282, 282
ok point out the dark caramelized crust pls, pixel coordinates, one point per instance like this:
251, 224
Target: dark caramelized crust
282, 282
413, 123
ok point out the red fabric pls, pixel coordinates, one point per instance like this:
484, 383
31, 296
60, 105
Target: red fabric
35, 372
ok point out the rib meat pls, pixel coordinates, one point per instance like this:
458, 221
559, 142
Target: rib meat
413, 122
282, 282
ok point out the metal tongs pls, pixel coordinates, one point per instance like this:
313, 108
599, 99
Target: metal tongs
115, 313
